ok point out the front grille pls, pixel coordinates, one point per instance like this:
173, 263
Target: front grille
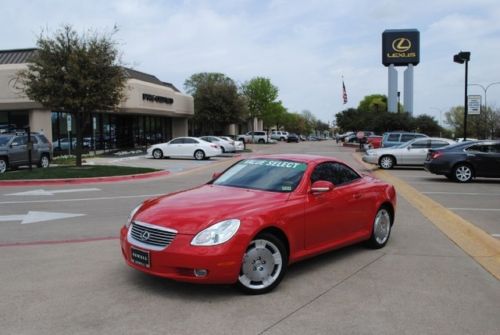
147, 234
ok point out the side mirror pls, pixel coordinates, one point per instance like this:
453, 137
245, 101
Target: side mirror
216, 175
321, 186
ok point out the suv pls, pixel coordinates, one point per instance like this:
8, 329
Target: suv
14, 150
396, 138
256, 136
279, 135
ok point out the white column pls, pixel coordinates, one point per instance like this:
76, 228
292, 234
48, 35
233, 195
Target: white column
392, 95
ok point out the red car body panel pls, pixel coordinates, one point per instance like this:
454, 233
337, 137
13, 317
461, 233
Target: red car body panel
311, 223
375, 141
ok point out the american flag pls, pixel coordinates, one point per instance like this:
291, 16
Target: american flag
344, 92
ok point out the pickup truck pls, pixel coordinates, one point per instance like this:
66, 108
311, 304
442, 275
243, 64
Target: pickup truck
258, 137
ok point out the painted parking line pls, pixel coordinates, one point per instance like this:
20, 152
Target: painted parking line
496, 235
475, 209
464, 193
81, 199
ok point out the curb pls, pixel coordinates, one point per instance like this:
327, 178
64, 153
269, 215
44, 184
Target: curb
75, 181
474, 241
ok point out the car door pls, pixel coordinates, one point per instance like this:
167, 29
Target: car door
174, 147
415, 153
18, 150
334, 217
189, 146
486, 159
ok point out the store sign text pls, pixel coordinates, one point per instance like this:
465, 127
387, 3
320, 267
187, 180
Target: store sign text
157, 98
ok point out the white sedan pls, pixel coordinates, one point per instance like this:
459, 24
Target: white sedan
184, 147
238, 145
225, 145
413, 152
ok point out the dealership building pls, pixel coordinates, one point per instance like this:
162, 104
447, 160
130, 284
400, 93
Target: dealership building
152, 111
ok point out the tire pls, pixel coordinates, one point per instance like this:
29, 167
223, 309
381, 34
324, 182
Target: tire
381, 230
463, 173
3, 165
261, 141
223, 150
44, 161
282, 139
199, 155
157, 154
264, 265
449, 176
386, 162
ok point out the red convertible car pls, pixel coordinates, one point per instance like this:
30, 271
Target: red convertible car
259, 216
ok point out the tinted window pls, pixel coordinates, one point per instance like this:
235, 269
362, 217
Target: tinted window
420, 144
407, 137
393, 138
43, 139
34, 139
264, 174
190, 141
177, 141
495, 148
4, 140
478, 148
438, 144
20, 140
335, 173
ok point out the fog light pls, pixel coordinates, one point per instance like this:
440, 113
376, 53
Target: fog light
200, 272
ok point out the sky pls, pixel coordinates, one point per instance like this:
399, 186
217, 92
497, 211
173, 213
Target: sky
303, 47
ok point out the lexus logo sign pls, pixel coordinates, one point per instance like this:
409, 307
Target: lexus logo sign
400, 47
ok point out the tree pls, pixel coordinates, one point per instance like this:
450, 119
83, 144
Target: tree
482, 126
217, 101
260, 94
427, 124
274, 115
75, 73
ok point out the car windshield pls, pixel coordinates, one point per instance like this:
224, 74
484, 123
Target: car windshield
264, 174
4, 140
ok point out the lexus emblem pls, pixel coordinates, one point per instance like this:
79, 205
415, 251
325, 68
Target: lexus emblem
401, 44
145, 236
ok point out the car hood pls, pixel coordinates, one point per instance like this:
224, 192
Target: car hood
193, 210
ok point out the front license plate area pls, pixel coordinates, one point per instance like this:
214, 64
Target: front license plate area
140, 257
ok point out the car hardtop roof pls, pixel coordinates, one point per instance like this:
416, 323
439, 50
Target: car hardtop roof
297, 157
404, 132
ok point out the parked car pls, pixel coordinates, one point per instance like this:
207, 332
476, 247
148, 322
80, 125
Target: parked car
373, 142
225, 145
271, 211
14, 150
279, 135
292, 138
255, 136
410, 153
238, 145
391, 139
466, 160
184, 147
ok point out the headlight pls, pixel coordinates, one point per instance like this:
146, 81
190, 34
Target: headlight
216, 234
131, 215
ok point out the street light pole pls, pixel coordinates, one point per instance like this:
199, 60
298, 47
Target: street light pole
460, 58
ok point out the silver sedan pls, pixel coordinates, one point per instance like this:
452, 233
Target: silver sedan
410, 153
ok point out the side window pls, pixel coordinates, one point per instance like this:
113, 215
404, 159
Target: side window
438, 144
190, 141
407, 137
335, 173
21, 140
420, 144
478, 148
393, 138
177, 141
34, 140
495, 148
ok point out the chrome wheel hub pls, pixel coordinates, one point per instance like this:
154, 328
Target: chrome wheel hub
45, 162
386, 162
463, 173
382, 226
261, 265
3, 166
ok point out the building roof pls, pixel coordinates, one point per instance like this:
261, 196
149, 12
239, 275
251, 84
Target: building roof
21, 56
16, 56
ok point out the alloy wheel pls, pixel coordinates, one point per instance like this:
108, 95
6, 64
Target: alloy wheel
3, 165
382, 226
386, 162
463, 173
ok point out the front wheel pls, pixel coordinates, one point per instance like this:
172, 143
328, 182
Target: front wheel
381, 231
3, 165
261, 141
386, 162
199, 155
264, 264
157, 154
463, 173
44, 161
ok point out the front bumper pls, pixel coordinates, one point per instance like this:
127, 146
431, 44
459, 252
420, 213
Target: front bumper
179, 260
370, 159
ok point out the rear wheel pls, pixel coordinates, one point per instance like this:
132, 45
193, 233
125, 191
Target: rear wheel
157, 153
386, 162
44, 161
223, 150
264, 264
3, 165
381, 228
261, 141
463, 173
199, 155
